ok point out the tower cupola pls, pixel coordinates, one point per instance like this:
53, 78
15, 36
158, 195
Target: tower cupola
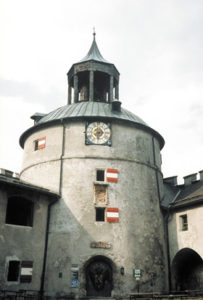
93, 78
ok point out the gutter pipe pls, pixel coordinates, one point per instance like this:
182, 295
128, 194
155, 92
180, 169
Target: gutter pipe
49, 214
165, 219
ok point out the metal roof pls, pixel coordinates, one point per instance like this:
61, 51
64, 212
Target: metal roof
94, 54
85, 110
90, 109
187, 195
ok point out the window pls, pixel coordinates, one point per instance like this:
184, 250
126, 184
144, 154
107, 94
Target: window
20, 270
100, 194
40, 143
100, 214
100, 175
19, 211
13, 270
183, 223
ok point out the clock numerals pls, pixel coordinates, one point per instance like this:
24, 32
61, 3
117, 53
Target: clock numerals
98, 133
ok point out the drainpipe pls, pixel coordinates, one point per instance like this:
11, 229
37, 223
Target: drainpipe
165, 218
156, 171
61, 158
49, 214
45, 248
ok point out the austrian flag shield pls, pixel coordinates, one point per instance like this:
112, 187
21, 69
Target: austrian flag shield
112, 214
112, 175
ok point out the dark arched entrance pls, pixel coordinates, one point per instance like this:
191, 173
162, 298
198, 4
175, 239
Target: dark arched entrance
99, 277
187, 270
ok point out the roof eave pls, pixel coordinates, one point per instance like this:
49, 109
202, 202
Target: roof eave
59, 121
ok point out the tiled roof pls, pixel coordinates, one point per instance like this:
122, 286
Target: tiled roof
17, 183
185, 195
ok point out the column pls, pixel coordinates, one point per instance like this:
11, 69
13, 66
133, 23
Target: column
75, 88
111, 89
117, 91
91, 86
69, 94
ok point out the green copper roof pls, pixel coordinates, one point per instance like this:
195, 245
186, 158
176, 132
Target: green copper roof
94, 54
88, 110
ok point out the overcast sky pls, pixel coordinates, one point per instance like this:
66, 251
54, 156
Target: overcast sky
157, 46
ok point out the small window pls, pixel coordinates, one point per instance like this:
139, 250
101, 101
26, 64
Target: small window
100, 214
183, 222
40, 143
19, 211
20, 271
100, 194
100, 175
13, 270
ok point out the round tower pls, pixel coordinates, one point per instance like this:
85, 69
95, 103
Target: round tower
106, 236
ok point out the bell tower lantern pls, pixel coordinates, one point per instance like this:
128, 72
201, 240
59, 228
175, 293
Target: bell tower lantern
93, 78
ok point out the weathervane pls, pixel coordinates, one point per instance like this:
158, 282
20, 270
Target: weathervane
94, 33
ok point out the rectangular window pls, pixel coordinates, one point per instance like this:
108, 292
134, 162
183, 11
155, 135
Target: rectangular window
100, 214
40, 143
100, 194
183, 222
20, 270
100, 175
19, 211
13, 270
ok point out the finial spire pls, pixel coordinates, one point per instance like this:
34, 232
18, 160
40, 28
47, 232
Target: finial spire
94, 33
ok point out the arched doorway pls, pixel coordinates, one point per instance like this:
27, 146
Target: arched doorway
99, 276
187, 270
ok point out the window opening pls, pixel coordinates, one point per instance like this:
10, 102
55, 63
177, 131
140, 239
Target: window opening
100, 195
100, 214
100, 175
19, 211
13, 270
184, 222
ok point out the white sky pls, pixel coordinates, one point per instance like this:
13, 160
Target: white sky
157, 46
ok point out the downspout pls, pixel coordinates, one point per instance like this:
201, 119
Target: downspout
156, 171
165, 218
61, 158
45, 248
49, 214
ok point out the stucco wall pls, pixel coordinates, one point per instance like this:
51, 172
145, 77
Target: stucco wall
22, 243
191, 238
137, 241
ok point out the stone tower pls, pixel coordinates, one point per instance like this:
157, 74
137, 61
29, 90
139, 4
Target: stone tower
105, 163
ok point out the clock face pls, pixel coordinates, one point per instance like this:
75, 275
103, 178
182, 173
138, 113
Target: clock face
98, 133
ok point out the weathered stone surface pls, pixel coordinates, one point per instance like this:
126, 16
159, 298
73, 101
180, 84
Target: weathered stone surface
137, 240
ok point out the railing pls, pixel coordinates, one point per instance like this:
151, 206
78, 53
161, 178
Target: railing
174, 295
29, 295
19, 295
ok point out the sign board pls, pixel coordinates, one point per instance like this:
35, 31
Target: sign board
74, 277
137, 273
103, 245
